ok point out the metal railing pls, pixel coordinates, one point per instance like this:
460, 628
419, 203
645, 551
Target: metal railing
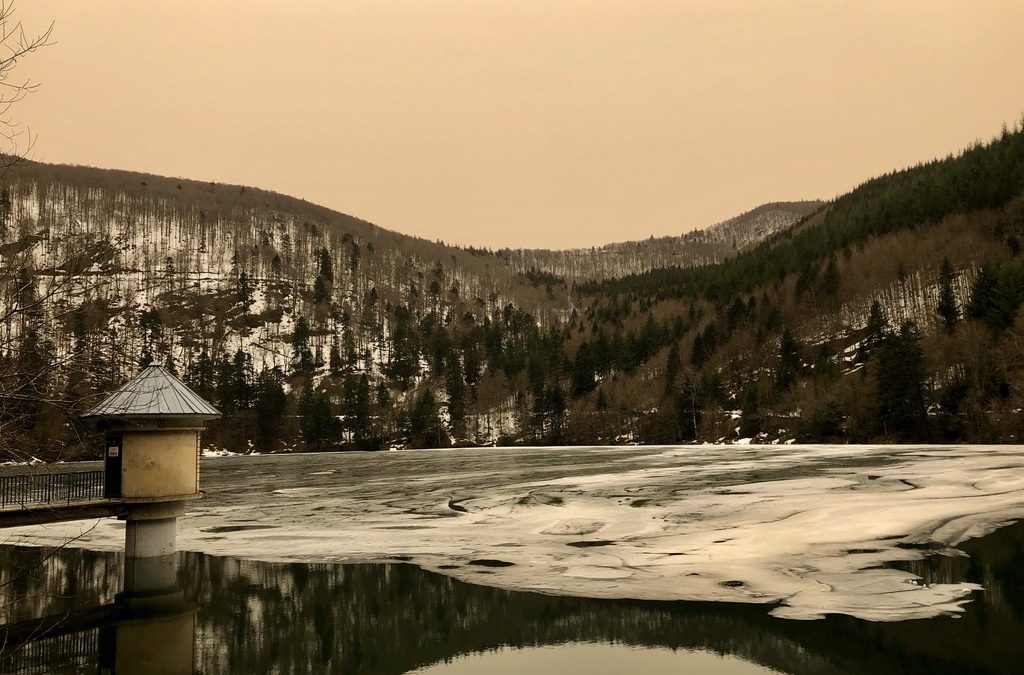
70, 653
40, 489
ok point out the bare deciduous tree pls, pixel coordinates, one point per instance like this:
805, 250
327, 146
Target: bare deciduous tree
16, 44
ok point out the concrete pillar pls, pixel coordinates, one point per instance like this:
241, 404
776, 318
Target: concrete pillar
151, 565
147, 576
149, 538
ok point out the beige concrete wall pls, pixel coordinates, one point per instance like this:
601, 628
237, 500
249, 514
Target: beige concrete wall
159, 464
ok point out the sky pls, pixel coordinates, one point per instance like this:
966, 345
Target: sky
533, 123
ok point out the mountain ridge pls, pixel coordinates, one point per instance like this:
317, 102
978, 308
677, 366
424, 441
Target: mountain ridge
136, 183
315, 330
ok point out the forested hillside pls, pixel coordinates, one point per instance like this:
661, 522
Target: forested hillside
889, 313
692, 249
270, 306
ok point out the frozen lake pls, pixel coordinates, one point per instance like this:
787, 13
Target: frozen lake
811, 530
243, 616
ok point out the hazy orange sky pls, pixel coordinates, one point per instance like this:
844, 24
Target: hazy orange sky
549, 123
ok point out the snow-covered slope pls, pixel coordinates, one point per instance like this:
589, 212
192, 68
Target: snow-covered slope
699, 247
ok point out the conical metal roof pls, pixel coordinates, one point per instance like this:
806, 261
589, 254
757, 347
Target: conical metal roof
152, 394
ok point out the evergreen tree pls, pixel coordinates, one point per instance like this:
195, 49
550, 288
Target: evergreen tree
363, 417
876, 329
557, 408
170, 364
245, 291
456, 389
548, 419
947, 301
790, 363
736, 312
302, 355
471, 361
321, 291
697, 353
241, 379
704, 345
369, 314
536, 372
357, 410
271, 403
995, 297
404, 360
31, 374
354, 254
234, 382
201, 375
424, 427
151, 326
325, 265
688, 411
349, 357
750, 418
6, 207
899, 382
806, 281
319, 426
830, 280
384, 399
583, 379
334, 362
672, 366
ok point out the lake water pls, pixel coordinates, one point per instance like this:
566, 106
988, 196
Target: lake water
256, 617
809, 559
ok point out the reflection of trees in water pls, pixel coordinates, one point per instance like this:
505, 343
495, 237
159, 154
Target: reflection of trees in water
387, 619
36, 582
264, 617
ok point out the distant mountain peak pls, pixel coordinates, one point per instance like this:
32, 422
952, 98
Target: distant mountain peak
698, 247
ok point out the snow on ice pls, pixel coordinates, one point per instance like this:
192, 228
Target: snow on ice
807, 529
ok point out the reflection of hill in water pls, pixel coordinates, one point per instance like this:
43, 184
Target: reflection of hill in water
263, 617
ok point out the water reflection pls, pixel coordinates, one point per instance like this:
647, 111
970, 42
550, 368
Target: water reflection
150, 628
253, 617
594, 659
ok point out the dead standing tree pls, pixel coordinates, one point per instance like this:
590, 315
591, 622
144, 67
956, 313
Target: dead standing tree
22, 297
15, 44
19, 384
38, 300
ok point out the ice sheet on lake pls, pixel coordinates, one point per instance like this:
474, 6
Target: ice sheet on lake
807, 527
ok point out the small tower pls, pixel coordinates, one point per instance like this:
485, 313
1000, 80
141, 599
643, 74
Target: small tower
151, 461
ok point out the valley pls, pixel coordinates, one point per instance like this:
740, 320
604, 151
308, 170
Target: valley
314, 330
